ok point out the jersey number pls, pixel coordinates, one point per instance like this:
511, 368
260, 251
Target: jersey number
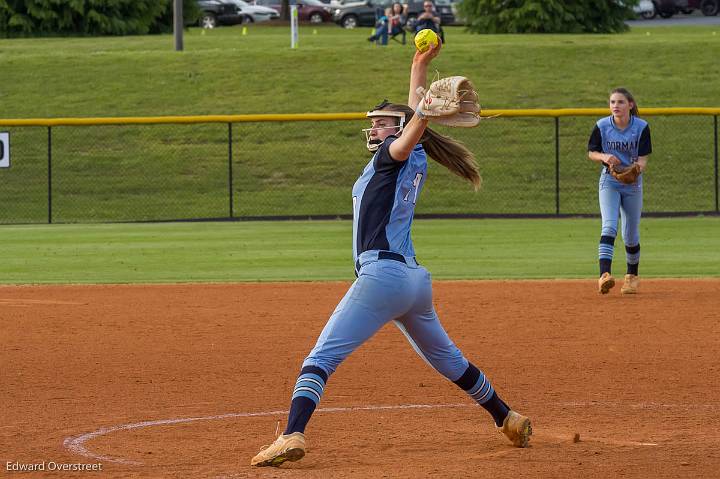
416, 183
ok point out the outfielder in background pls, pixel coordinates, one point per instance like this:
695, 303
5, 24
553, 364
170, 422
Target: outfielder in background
621, 142
390, 284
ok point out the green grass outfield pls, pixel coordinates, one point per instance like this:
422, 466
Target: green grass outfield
321, 250
336, 70
127, 173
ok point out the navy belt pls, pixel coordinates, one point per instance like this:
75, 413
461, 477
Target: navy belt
382, 255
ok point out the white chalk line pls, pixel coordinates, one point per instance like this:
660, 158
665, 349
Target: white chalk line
29, 302
642, 405
76, 444
561, 438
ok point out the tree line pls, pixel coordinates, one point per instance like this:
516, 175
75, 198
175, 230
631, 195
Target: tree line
90, 17
546, 16
138, 17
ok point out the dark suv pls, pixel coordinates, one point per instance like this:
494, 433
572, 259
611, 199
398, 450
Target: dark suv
667, 8
219, 12
364, 14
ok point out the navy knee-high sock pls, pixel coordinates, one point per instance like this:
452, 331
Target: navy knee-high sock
474, 382
306, 396
605, 266
605, 253
633, 258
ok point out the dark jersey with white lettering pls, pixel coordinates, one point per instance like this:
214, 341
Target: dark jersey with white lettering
384, 199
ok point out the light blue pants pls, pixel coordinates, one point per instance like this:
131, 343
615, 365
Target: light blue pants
627, 201
388, 290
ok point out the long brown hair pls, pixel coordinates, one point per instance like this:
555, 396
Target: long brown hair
626, 93
450, 153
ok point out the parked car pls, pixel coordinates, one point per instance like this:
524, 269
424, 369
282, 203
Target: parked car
352, 15
256, 13
646, 9
364, 14
710, 8
219, 12
343, 3
313, 11
453, 6
442, 7
668, 8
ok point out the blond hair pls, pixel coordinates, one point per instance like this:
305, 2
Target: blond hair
450, 153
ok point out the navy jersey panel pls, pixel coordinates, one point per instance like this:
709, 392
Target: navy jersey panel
384, 200
595, 143
376, 199
645, 147
626, 144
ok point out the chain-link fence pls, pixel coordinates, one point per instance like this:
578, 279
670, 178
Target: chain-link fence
241, 167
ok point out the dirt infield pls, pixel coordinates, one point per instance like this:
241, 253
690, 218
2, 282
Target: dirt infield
191, 380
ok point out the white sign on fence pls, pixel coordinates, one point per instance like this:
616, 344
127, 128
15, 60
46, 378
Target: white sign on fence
4, 150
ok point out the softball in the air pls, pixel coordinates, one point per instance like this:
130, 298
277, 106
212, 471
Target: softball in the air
424, 39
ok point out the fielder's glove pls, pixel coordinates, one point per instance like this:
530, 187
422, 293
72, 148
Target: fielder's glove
450, 101
626, 174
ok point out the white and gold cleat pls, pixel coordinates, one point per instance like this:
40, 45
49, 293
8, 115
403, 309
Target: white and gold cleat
517, 428
630, 285
605, 283
287, 447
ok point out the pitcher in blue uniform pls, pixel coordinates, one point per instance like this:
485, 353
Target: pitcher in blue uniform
391, 285
620, 139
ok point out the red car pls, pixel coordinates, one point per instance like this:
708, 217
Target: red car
313, 11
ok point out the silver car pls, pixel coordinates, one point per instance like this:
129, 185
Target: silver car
645, 8
256, 13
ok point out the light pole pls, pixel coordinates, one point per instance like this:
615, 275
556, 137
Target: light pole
178, 24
